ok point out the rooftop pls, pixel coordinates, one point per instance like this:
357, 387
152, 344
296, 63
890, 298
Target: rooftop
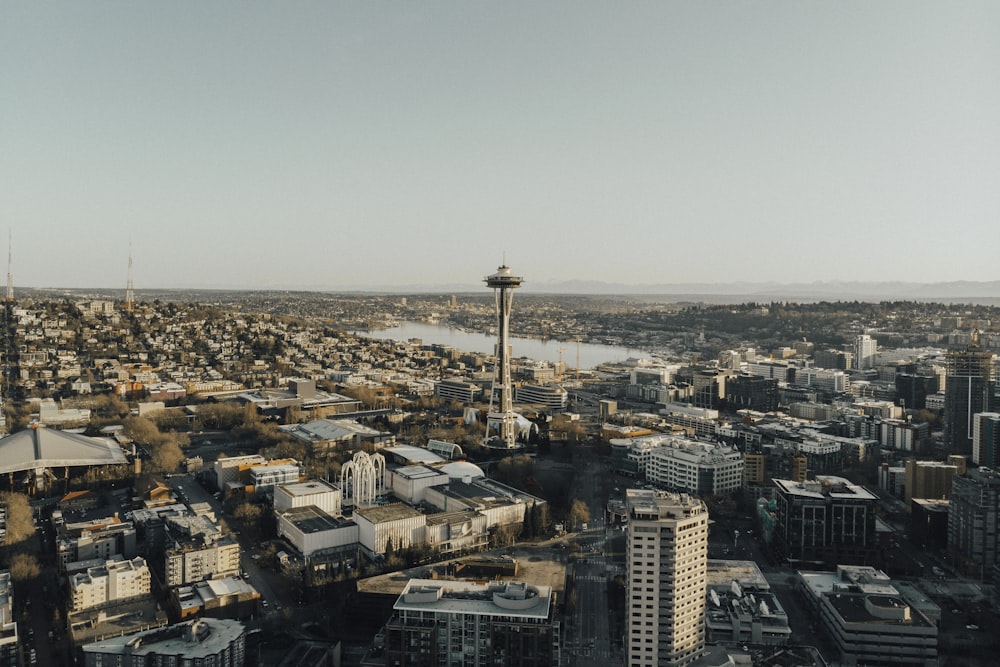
495, 598
309, 488
393, 512
40, 447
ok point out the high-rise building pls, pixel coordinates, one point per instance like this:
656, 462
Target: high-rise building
969, 386
928, 479
973, 517
865, 348
667, 560
986, 439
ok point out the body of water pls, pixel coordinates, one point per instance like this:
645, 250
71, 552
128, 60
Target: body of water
590, 355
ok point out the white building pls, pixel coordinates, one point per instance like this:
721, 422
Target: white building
500, 504
823, 379
696, 467
865, 349
397, 523
323, 495
449, 532
667, 560
311, 530
774, 370
552, 397
410, 483
114, 581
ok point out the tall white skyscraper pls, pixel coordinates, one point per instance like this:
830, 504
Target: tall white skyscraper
667, 556
865, 348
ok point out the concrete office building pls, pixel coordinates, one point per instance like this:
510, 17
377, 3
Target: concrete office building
827, 520
869, 619
666, 559
457, 389
552, 397
822, 379
696, 467
473, 624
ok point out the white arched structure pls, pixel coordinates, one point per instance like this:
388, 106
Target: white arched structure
362, 478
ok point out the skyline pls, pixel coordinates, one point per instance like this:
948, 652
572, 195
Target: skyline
345, 146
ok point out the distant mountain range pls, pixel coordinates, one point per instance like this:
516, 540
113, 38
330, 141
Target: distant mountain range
963, 291
823, 290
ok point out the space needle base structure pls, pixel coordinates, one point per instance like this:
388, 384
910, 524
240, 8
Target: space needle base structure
501, 421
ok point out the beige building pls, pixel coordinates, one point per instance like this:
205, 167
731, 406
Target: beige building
114, 581
189, 562
928, 479
667, 562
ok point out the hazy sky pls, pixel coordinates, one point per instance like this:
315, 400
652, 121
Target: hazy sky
344, 144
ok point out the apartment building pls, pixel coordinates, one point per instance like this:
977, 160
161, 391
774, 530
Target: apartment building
205, 641
114, 581
667, 559
473, 624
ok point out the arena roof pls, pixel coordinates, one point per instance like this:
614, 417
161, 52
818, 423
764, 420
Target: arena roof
40, 447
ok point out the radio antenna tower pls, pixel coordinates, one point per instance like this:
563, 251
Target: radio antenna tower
129, 291
10, 272
503, 418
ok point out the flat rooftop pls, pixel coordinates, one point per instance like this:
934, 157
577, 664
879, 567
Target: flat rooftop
312, 487
540, 565
384, 513
476, 598
722, 573
310, 519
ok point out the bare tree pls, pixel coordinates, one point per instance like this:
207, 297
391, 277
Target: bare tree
24, 566
578, 513
20, 525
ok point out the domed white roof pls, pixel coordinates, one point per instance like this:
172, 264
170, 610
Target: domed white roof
462, 469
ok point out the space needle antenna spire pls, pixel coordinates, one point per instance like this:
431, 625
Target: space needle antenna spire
129, 290
10, 272
501, 422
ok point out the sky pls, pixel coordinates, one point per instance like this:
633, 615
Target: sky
344, 145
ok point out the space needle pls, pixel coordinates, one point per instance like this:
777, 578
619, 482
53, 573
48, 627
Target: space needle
502, 421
